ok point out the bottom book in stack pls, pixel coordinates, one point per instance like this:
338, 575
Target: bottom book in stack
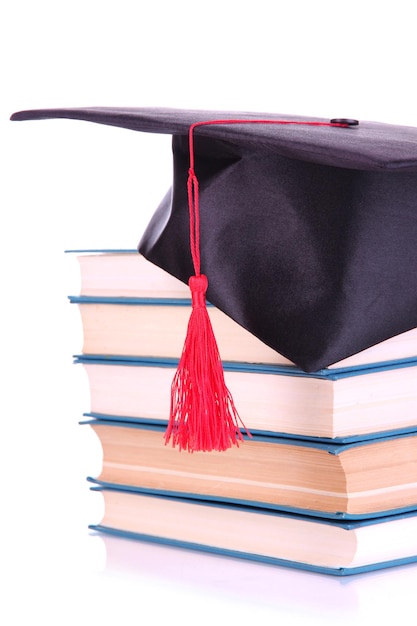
332, 508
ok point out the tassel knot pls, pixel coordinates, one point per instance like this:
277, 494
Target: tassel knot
198, 287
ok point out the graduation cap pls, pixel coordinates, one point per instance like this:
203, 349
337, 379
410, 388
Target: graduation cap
305, 228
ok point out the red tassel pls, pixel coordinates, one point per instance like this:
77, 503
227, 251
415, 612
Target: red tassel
203, 415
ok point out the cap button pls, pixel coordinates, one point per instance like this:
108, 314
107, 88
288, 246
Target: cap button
344, 120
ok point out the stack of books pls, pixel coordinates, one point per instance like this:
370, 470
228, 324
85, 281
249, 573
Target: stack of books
328, 481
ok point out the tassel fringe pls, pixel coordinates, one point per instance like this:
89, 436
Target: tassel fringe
203, 416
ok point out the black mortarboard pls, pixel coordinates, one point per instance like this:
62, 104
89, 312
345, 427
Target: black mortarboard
308, 233
308, 228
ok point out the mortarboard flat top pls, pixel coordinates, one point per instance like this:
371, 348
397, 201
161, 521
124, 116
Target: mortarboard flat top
374, 145
308, 232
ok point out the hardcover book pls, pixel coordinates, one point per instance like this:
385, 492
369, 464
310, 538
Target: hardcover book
343, 405
365, 479
331, 547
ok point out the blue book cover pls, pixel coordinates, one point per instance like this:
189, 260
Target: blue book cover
257, 368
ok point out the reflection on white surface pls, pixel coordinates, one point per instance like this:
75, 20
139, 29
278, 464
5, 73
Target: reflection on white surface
262, 588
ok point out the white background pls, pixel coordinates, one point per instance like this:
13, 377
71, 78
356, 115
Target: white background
67, 184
